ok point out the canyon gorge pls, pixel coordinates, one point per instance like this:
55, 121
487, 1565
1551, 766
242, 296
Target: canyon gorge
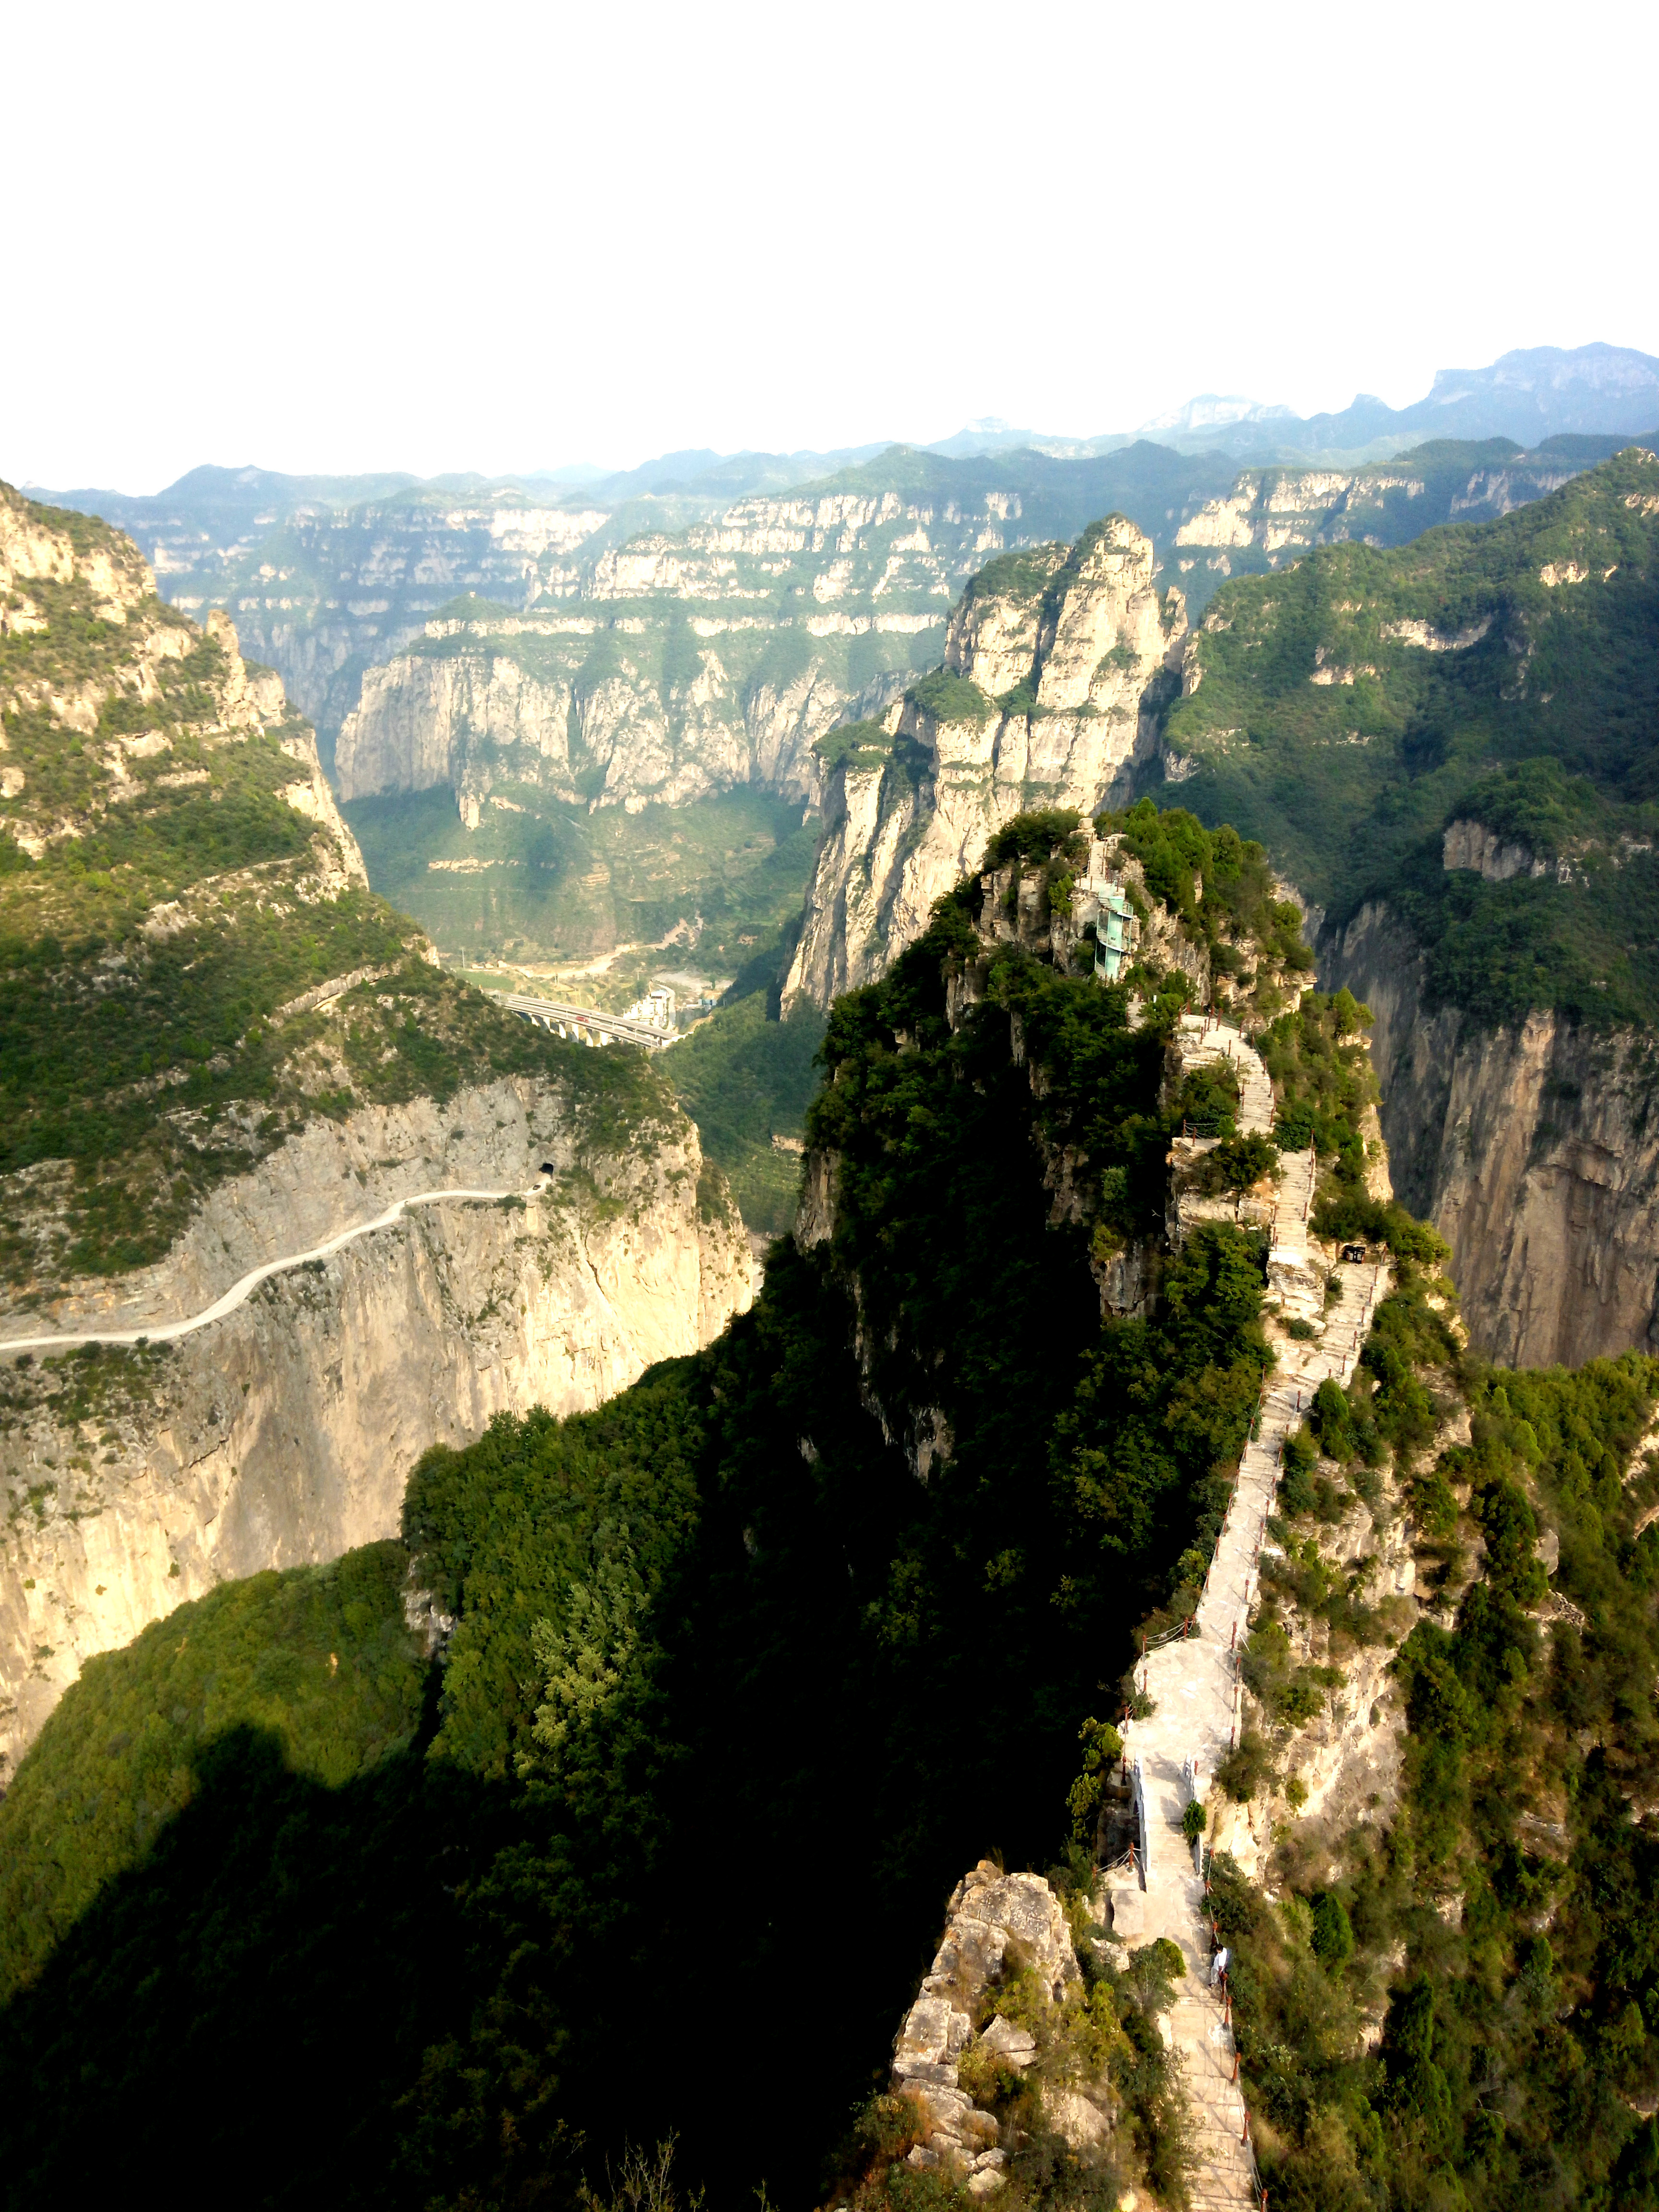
139, 1477
1177, 1434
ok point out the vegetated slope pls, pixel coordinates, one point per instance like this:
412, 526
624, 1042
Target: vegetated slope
1449, 1992
716, 1651
321, 1657
194, 965
1272, 516
1351, 708
541, 879
219, 1049
731, 1696
1451, 747
747, 1077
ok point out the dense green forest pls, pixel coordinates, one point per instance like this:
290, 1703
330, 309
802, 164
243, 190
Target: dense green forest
741, 1671
731, 1699
745, 1077
1347, 708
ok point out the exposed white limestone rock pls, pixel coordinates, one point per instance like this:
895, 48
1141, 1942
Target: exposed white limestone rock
901, 829
1531, 1148
284, 1433
1471, 845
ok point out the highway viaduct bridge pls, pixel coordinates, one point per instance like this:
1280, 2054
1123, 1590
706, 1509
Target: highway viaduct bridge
586, 1025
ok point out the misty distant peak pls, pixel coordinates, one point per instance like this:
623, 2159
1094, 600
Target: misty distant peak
1604, 369
1211, 409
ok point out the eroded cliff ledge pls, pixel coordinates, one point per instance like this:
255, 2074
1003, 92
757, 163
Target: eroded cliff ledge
1533, 1149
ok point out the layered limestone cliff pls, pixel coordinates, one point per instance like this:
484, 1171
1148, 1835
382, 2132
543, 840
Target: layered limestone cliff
323, 591
1054, 666
136, 1478
1274, 515
679, 664
517, 702
1534, 1151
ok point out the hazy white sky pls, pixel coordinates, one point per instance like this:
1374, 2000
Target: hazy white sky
349, 236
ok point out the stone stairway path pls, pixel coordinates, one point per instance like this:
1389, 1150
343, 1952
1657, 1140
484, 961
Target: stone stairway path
1204, 1041
1194, 1680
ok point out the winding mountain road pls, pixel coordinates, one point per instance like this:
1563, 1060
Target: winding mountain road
163, 1332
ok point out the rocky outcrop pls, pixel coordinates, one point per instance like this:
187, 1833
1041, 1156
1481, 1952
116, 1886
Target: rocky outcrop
1496, 858
1052, 673
999, 1925
284, 1433
1533, 1149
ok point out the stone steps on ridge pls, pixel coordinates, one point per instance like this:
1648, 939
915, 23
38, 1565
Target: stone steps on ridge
1194, 1681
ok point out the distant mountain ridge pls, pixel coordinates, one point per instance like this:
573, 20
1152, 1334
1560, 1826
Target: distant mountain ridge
331, 578
1529, 395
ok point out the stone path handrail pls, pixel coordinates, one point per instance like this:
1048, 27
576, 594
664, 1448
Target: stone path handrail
165, 1332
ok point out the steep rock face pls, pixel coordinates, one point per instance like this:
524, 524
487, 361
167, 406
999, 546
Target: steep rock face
678, 663
1274, 515
521, 702
284, 1433
1535, 1152
1081, 641
412, 724
1493, 858
331, 590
